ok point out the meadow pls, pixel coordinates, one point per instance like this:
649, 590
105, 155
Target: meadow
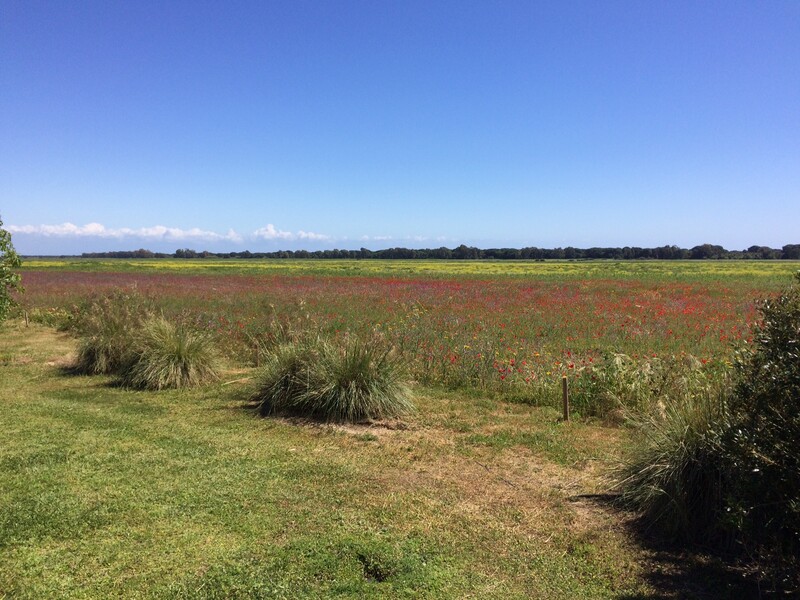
509, 328
482, 492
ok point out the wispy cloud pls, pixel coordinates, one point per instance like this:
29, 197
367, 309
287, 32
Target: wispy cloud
97, 230
309, 235
270, 232
403, 239
161, 233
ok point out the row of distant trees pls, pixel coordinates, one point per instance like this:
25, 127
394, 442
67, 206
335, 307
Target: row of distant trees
705, 251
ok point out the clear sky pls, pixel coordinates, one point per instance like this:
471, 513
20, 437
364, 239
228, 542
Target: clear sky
341, 124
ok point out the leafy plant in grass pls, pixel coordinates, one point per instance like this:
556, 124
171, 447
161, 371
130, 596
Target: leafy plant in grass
167, 355
106, 326
349, 380
620, 382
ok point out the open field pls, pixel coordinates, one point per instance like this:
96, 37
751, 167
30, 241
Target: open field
482, 493
463, 325
683, 270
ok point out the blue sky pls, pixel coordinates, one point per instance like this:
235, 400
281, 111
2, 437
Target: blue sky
327, 124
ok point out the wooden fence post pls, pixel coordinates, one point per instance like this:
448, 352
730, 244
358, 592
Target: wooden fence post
565, 394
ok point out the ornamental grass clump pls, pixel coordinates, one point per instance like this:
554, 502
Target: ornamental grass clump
677, 468
167, 356
105, 326
345, 381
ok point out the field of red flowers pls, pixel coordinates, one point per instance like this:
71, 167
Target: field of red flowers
514, 336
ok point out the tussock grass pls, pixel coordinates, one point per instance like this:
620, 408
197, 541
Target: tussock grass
106, 326
101, 354
170, 356
674, 474
352, 381
120, 334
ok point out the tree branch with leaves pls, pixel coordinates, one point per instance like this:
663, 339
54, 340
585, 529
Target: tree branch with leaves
9, 280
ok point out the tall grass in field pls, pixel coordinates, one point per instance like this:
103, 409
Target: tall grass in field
120, 334
678, 468
348, 380
619, 385
106, 326
167, 356
473, 328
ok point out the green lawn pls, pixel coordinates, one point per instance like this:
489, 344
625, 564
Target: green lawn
112, 493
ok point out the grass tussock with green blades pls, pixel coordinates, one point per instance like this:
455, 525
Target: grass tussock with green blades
120, 334
106, 326
170, 356
350, 380
675, 470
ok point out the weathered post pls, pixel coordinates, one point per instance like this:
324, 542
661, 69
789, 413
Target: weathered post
26, 317
565, 394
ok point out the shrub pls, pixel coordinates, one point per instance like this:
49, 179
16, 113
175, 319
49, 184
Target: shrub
351, 381
9, 280
730, 465
764, 442
170, 356
106, 325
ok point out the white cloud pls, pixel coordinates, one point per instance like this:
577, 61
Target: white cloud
97, 230
161, 233
308, 235
270, 232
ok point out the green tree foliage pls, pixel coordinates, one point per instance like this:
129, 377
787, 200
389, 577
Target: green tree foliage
9, 280
767, 404
726, 468
463, 252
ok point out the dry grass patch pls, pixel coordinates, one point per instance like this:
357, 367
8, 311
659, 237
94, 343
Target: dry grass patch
502, 501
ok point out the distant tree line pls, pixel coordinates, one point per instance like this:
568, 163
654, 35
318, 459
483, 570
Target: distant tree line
462, 252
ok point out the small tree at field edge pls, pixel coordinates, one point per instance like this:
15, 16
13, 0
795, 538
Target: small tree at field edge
9, 280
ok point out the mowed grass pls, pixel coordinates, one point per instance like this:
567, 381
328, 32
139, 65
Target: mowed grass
106, 492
